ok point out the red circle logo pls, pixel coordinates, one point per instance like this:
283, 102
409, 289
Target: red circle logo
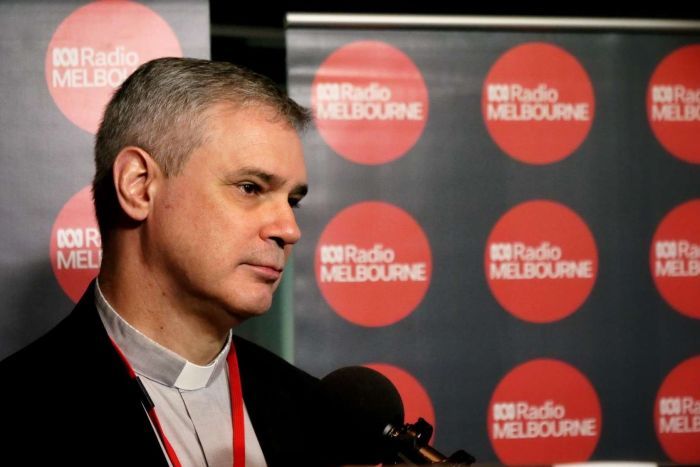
373, 263
76, 245
538, 103
369, 102
673, 103
541, 261
95, 49
675, 258
544, 411
416, 402
677, 413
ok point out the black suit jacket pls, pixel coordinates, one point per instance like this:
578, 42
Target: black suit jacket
68, 397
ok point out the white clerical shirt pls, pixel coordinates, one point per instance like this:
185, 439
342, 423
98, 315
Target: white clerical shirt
192, 402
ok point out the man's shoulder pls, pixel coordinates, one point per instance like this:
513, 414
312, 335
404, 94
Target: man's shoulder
71, 383
254, 358
44, 376
78, 346
41, 353
273, 386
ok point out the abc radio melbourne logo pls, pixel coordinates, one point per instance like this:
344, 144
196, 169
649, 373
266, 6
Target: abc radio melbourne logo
85, 67
544, 411
521, 420
350, 263
673, 103
675, 258
517, 260
677, 412
95, 49
373, 263
346, 101
514, 102
370, 102
540, 261
76, 246
537, 103
679, 415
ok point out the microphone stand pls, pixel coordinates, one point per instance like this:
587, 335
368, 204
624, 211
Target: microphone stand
410, 442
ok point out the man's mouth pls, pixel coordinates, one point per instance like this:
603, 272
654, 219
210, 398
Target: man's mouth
269, 272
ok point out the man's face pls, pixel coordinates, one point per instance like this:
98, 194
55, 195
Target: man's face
222, 230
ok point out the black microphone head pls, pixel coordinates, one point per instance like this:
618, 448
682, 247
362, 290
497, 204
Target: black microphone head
369, 392
366, 402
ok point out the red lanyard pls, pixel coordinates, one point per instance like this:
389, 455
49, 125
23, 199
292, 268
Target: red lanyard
237, 416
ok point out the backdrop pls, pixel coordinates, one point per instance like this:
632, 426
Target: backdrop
505, 221
61, 62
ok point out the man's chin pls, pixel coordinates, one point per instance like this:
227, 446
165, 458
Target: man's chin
241, 314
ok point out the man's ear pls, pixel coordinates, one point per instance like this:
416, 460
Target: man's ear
136, 179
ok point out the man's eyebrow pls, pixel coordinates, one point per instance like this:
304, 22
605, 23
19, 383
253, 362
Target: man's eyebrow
256, 172
299, 190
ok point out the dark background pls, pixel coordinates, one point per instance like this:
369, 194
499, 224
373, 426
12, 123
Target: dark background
459, 343
254, 36
40, 148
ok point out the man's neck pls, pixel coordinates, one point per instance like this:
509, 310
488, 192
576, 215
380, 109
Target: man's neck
155, 311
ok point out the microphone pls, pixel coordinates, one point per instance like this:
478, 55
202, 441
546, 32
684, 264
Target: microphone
362, 402
374, 415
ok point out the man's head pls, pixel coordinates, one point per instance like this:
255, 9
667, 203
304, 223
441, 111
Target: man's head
162, 109
199, 167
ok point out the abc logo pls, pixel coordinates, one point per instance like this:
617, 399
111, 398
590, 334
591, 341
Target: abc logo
498, 93
65, 57
670, 406
662, 94
504, 411
666, 250
78, 238
501, 251
332, 254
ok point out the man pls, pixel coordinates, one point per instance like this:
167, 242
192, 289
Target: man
198, 170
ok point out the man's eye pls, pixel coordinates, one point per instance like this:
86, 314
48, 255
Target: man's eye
295, 203
249, 188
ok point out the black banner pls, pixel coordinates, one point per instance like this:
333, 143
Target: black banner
507, 224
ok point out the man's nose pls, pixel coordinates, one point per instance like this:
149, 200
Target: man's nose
282, 227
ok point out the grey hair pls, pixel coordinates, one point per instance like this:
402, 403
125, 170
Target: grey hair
162, 109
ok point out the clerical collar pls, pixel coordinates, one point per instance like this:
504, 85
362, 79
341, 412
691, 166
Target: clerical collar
152, 360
